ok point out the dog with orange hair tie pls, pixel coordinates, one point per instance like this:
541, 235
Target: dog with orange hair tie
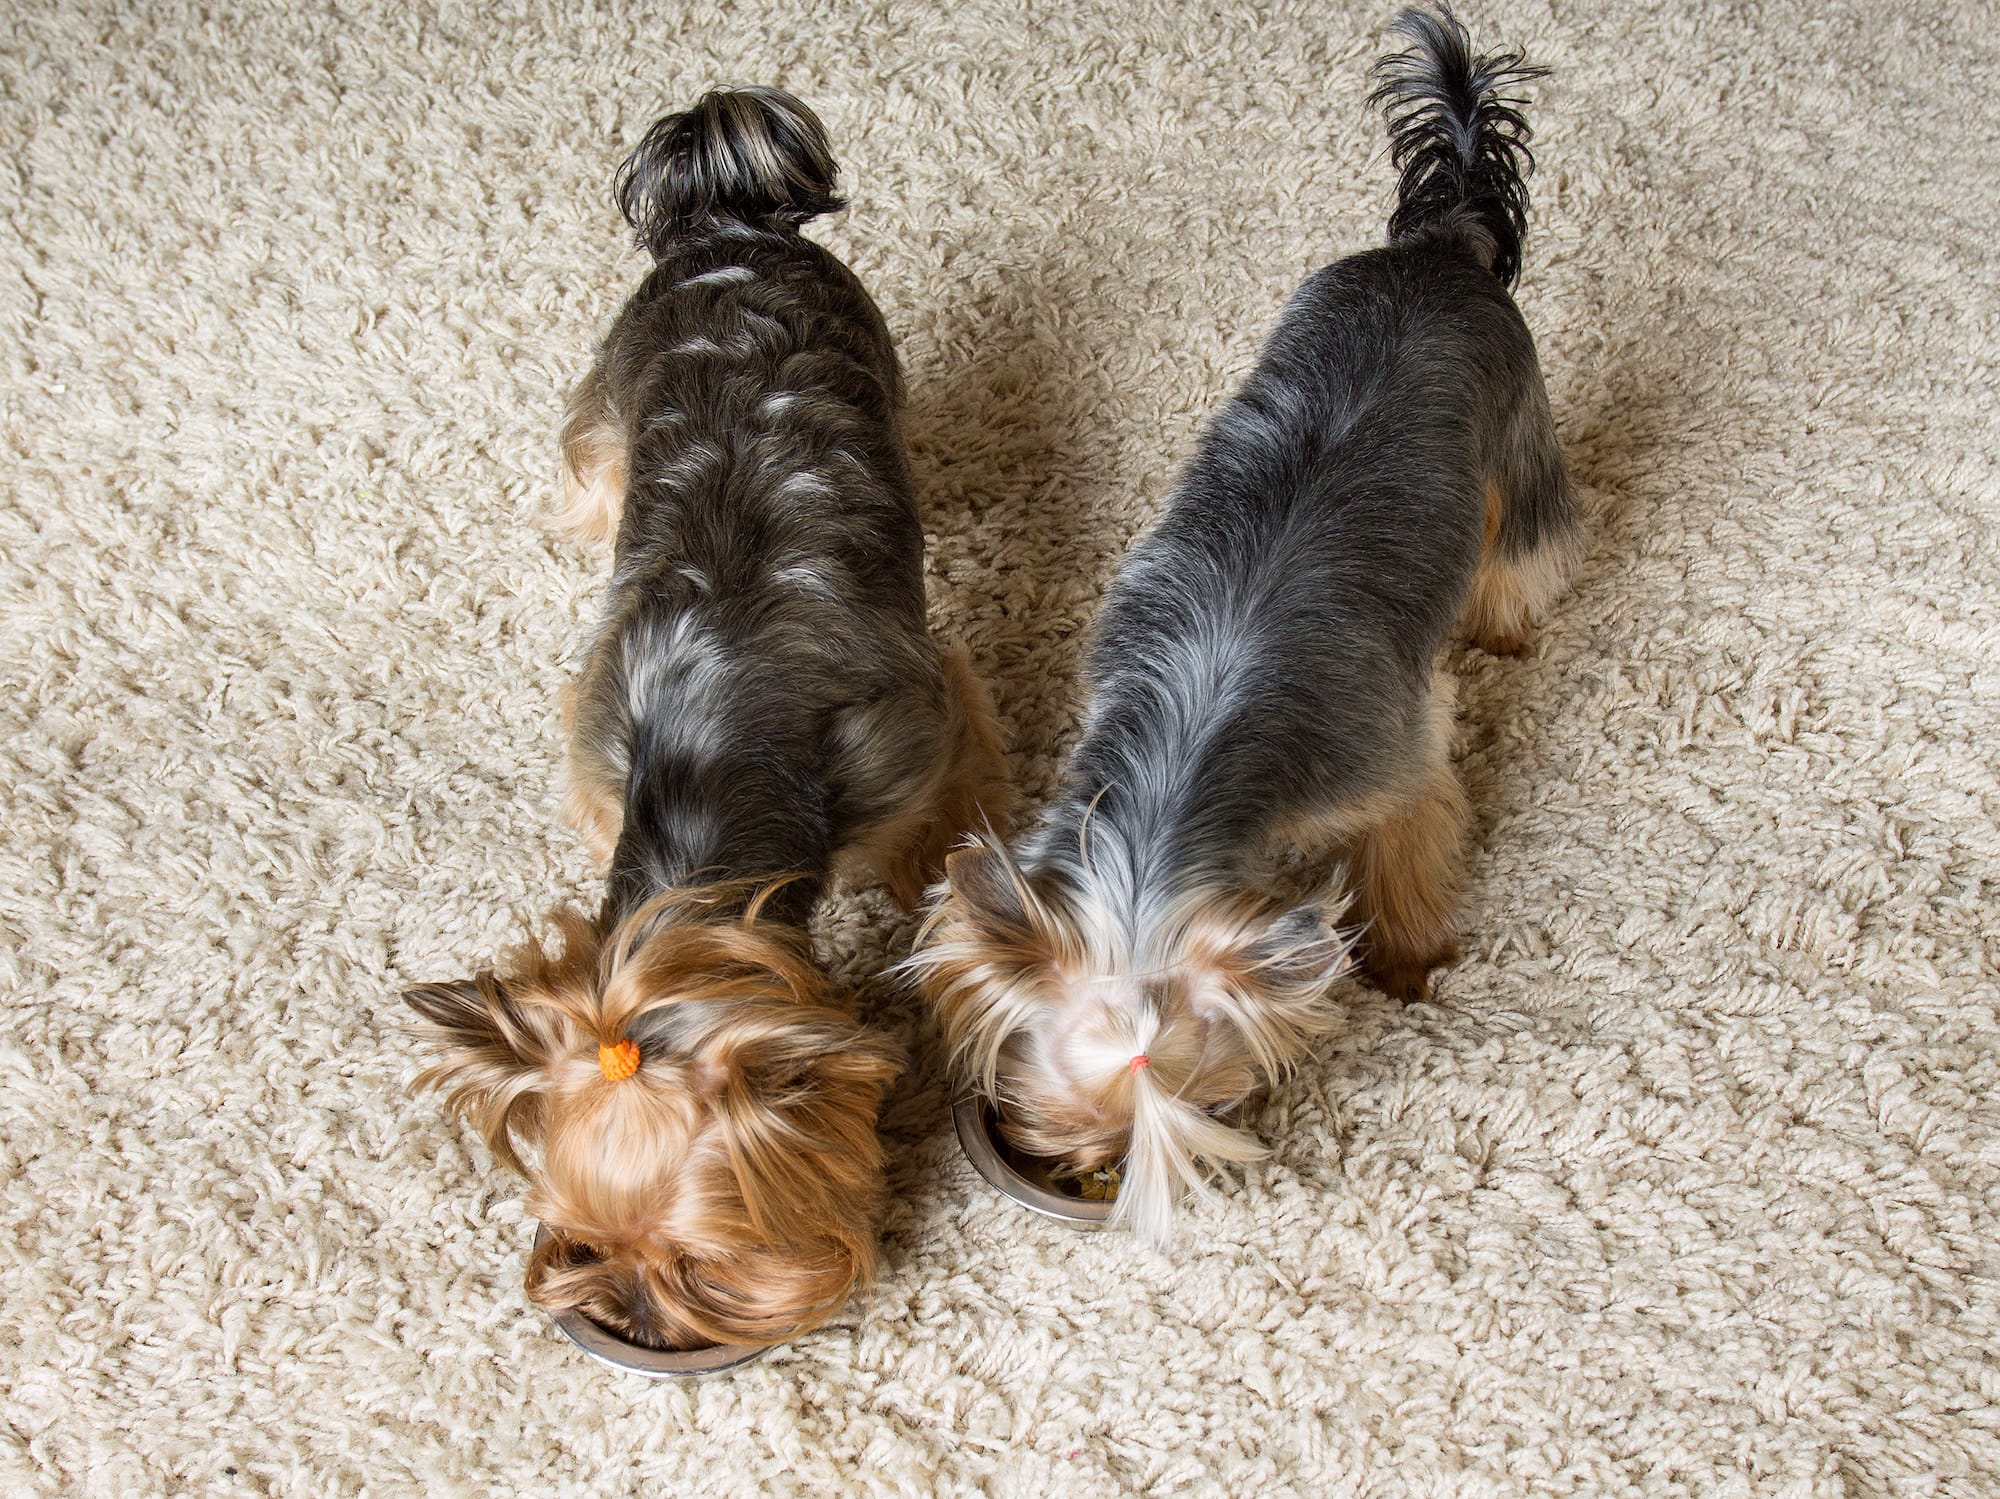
762, 706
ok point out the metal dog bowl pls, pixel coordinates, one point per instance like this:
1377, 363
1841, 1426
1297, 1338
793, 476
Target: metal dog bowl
604, 1345
1030, 1181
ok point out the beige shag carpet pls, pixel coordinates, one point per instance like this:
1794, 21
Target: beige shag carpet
1687, 1182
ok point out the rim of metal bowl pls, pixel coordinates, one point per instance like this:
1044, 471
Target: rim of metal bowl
622, 1354
992, 1159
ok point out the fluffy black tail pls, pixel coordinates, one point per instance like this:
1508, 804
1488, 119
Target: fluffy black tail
1458, 138
754, 155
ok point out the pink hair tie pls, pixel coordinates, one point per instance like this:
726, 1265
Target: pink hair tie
1138, 1064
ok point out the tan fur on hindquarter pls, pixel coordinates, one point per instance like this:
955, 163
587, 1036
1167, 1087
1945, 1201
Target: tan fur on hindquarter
1510, 593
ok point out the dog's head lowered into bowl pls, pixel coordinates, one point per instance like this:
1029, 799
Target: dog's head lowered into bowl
693, 1108
1081, 1200
619, 1352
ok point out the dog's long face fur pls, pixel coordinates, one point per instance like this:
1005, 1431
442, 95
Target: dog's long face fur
1099, 1048
725, 1191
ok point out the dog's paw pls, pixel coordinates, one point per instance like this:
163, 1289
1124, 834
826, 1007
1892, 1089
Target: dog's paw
1505, 642
1405, 976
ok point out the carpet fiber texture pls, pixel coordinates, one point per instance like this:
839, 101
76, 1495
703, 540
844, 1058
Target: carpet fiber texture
1686, 1181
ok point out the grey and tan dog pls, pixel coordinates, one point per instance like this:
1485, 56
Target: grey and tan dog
1264, 674
762, 705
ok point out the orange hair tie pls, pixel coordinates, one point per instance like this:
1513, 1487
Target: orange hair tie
1138, 1064
619, 1060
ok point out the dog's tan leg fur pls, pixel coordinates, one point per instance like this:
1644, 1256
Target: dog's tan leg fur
594, 801
1510, 594
969, 790
1407, 886
1407, 859
593, 448
1403, 849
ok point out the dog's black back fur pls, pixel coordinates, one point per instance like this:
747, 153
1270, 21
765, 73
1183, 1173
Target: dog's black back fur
1268, 650
764, 661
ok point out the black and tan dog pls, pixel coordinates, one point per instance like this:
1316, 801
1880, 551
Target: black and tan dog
1265, 672
762, 705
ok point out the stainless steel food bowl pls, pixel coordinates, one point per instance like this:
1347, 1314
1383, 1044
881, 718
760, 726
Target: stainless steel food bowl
1028, 1180
607, 1347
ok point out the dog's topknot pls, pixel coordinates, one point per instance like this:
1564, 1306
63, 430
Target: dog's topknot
753, 155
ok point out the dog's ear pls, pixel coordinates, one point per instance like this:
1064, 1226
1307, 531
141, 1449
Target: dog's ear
992, 889
494, 1056
981, 954
823, 1054
795, 1096
1270, 971
1304, 945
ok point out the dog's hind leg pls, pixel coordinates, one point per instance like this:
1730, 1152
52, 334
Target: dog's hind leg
1534, 532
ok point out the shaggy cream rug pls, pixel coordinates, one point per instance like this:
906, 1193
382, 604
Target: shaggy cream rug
1688, 1180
